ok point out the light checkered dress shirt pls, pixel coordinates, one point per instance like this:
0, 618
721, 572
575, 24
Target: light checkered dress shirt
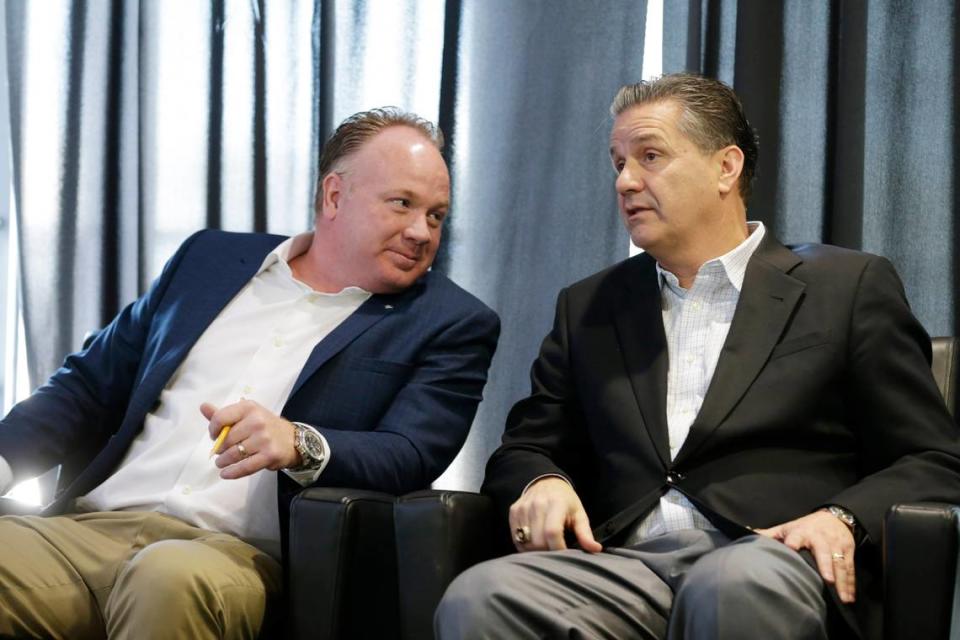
696, 322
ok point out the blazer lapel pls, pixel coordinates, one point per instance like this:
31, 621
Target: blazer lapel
639, 326
377, 307
222, 280
767, 301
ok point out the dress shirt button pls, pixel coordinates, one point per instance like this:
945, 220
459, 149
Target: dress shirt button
247, 389
277, 341
186, 490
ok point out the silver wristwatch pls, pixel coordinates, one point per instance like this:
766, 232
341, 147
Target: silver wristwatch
309, 446
846, 518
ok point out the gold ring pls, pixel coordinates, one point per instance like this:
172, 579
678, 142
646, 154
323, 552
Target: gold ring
242, 449
521, 535
837, 555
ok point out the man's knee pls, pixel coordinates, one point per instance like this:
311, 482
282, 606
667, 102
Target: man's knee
742, 587
168, 569
464, 610
184, 585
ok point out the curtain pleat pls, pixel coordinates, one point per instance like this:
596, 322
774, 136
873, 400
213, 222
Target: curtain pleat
855, 105
534, 206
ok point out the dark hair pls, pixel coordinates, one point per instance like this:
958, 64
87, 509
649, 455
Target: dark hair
360, 127
712, 115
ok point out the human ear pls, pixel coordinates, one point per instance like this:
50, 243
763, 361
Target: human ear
731, 166
328, 200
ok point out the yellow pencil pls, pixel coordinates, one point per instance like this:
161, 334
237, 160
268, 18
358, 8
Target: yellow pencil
220, 438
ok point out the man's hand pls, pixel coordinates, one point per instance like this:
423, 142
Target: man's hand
258, 439
548, 508
830, 542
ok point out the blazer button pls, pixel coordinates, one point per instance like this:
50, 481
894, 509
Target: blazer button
674, 477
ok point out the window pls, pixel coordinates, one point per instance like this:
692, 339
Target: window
13, 376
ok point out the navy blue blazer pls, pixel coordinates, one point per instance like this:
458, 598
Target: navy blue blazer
394, 388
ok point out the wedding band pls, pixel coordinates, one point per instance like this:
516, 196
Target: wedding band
242, 449
521, 535
837, 555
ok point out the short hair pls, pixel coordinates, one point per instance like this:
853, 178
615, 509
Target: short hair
712, 115
360, 127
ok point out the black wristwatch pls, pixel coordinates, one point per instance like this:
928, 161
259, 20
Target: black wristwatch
310, 447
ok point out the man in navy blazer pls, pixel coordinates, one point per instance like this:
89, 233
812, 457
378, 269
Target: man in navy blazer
334, 357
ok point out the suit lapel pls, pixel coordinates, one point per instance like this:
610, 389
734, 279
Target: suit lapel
767, 300
222, 280
639, 326
376, 308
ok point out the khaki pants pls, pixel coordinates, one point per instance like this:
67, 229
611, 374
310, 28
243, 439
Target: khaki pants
129, 575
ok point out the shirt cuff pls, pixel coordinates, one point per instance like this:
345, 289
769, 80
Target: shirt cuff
6, 476
308, 477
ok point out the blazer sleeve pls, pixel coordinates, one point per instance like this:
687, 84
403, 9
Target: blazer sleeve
428, 419
908, 442
82, 404
544, 431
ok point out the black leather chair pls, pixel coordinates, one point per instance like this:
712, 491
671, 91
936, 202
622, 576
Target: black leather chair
921, 545
438, 534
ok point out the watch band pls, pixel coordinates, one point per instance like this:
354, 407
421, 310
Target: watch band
848, 519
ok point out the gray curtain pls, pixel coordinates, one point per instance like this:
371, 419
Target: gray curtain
534, 206
137, 122
855, 103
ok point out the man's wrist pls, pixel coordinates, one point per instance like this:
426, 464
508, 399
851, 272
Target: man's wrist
308, 477
310, 446
543, 477
848, 519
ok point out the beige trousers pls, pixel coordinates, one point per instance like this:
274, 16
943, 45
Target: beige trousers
129, 575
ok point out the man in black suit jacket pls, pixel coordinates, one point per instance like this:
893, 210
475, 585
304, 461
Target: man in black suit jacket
725, 418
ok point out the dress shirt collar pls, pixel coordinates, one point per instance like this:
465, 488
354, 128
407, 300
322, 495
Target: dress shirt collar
289, 249
733, 263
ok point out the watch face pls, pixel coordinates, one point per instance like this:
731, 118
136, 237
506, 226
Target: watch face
312, 445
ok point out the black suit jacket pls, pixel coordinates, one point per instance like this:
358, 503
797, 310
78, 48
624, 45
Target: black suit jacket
822, 395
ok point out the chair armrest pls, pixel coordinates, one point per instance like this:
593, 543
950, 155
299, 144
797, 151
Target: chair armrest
11, 507
439, 534
341, 565
920, 546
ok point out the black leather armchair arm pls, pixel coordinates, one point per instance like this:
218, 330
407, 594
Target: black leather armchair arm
920, 594
341, 565
439, 535
921, 541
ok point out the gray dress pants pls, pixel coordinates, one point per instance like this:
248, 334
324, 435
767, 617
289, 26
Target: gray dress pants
685, 584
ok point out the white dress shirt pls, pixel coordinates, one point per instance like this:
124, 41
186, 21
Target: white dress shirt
696, 322
254, 350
